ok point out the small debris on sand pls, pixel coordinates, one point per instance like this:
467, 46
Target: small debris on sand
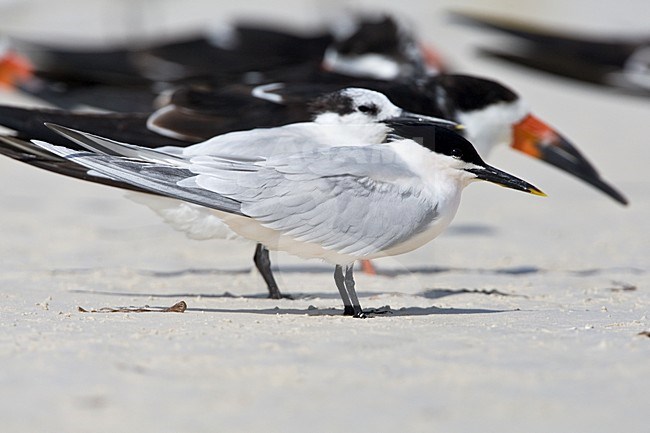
178, 307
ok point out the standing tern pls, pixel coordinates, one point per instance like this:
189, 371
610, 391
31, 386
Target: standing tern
338, 204
344, 118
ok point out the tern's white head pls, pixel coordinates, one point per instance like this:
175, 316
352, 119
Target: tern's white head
356, 106
354, 116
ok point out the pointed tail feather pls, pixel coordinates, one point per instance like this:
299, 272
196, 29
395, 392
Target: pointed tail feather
107, 146
30, 154
155, 177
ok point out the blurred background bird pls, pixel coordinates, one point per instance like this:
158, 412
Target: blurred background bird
620, 63
15, 69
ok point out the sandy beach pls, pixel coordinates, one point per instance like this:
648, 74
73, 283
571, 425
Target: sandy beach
527, 315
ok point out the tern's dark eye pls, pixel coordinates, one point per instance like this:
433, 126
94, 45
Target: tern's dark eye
456, 153
368, 109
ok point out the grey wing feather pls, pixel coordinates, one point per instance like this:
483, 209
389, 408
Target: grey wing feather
154, 177
346, 198
107, 146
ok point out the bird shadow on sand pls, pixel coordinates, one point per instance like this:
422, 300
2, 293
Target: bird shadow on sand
379, 312
469, 229
441, 293
385, 311
313, 311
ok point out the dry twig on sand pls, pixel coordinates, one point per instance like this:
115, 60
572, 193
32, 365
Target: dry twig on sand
178, 307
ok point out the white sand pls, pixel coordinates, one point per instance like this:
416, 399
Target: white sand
555, 349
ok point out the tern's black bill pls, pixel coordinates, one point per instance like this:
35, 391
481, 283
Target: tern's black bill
504, 179
414, 119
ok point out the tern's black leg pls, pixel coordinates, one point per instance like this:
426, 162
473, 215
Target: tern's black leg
340, 284
349, 285
263, 265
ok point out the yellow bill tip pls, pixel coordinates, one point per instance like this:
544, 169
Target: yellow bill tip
538, 192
